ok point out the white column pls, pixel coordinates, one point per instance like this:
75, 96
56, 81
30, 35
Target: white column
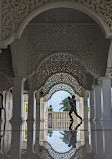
81, 107
106, 98
37, 142
30, 105
42, 109
30, 147
97, 102
86, 134
17, 98
38, 111
15, 151
99, 141
107, 143
91, 98
85, 108
93, 138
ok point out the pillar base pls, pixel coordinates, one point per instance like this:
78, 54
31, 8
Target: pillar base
30, 120
1, 120
104, 121
91, 120
96, 120
14, 120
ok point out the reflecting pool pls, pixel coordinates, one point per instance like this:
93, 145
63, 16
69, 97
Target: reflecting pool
55, 140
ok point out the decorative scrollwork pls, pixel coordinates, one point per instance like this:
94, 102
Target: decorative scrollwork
48, 152
61, 63
61, 78
59, 87
81, 40
15, 12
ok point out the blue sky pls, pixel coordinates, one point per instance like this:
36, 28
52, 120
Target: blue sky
57, 143
56, 99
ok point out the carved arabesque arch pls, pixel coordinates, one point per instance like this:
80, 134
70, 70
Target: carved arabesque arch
60, 87
61, 78
48, 152
25, 11
61, 63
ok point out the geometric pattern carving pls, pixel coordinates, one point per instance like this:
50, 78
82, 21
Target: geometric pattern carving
6, 70
5, 82
15, 12
61, 78
61, 63
48, 152
45, 39
59, 87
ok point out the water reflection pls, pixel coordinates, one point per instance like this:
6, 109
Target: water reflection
59, 141
21, 141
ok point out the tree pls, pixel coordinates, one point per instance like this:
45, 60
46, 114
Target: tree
66, 105
66, 136
50, 109
50, 132
26, 107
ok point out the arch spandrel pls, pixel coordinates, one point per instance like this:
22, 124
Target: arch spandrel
13, 26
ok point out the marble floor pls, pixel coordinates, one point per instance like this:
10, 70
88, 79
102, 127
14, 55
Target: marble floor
55, 140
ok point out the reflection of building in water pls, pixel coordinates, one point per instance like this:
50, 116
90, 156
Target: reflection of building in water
42, 147
60, 125
5, 137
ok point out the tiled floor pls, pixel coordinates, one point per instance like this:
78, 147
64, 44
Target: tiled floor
56, 140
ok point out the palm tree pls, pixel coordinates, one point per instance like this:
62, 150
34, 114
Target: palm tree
66, 105
66, 136
50, 109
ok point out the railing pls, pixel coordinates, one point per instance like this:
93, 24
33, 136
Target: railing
59, 115
61, 125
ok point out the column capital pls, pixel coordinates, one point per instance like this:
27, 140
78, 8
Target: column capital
86, 96
109, 71
106, 98
19, 78
104, 78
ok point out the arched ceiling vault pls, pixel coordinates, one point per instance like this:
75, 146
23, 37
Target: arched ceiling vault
79, 36
17, 14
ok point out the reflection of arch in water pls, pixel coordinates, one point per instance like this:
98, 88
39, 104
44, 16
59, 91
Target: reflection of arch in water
71, 154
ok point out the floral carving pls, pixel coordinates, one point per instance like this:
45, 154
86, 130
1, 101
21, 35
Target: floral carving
48, 152
61, 79
61, 63
15, 12
77, 39
59, 87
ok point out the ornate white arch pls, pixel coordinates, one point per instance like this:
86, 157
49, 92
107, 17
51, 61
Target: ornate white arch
61, 63
60, 87
49, 152
61, 78
12, 27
